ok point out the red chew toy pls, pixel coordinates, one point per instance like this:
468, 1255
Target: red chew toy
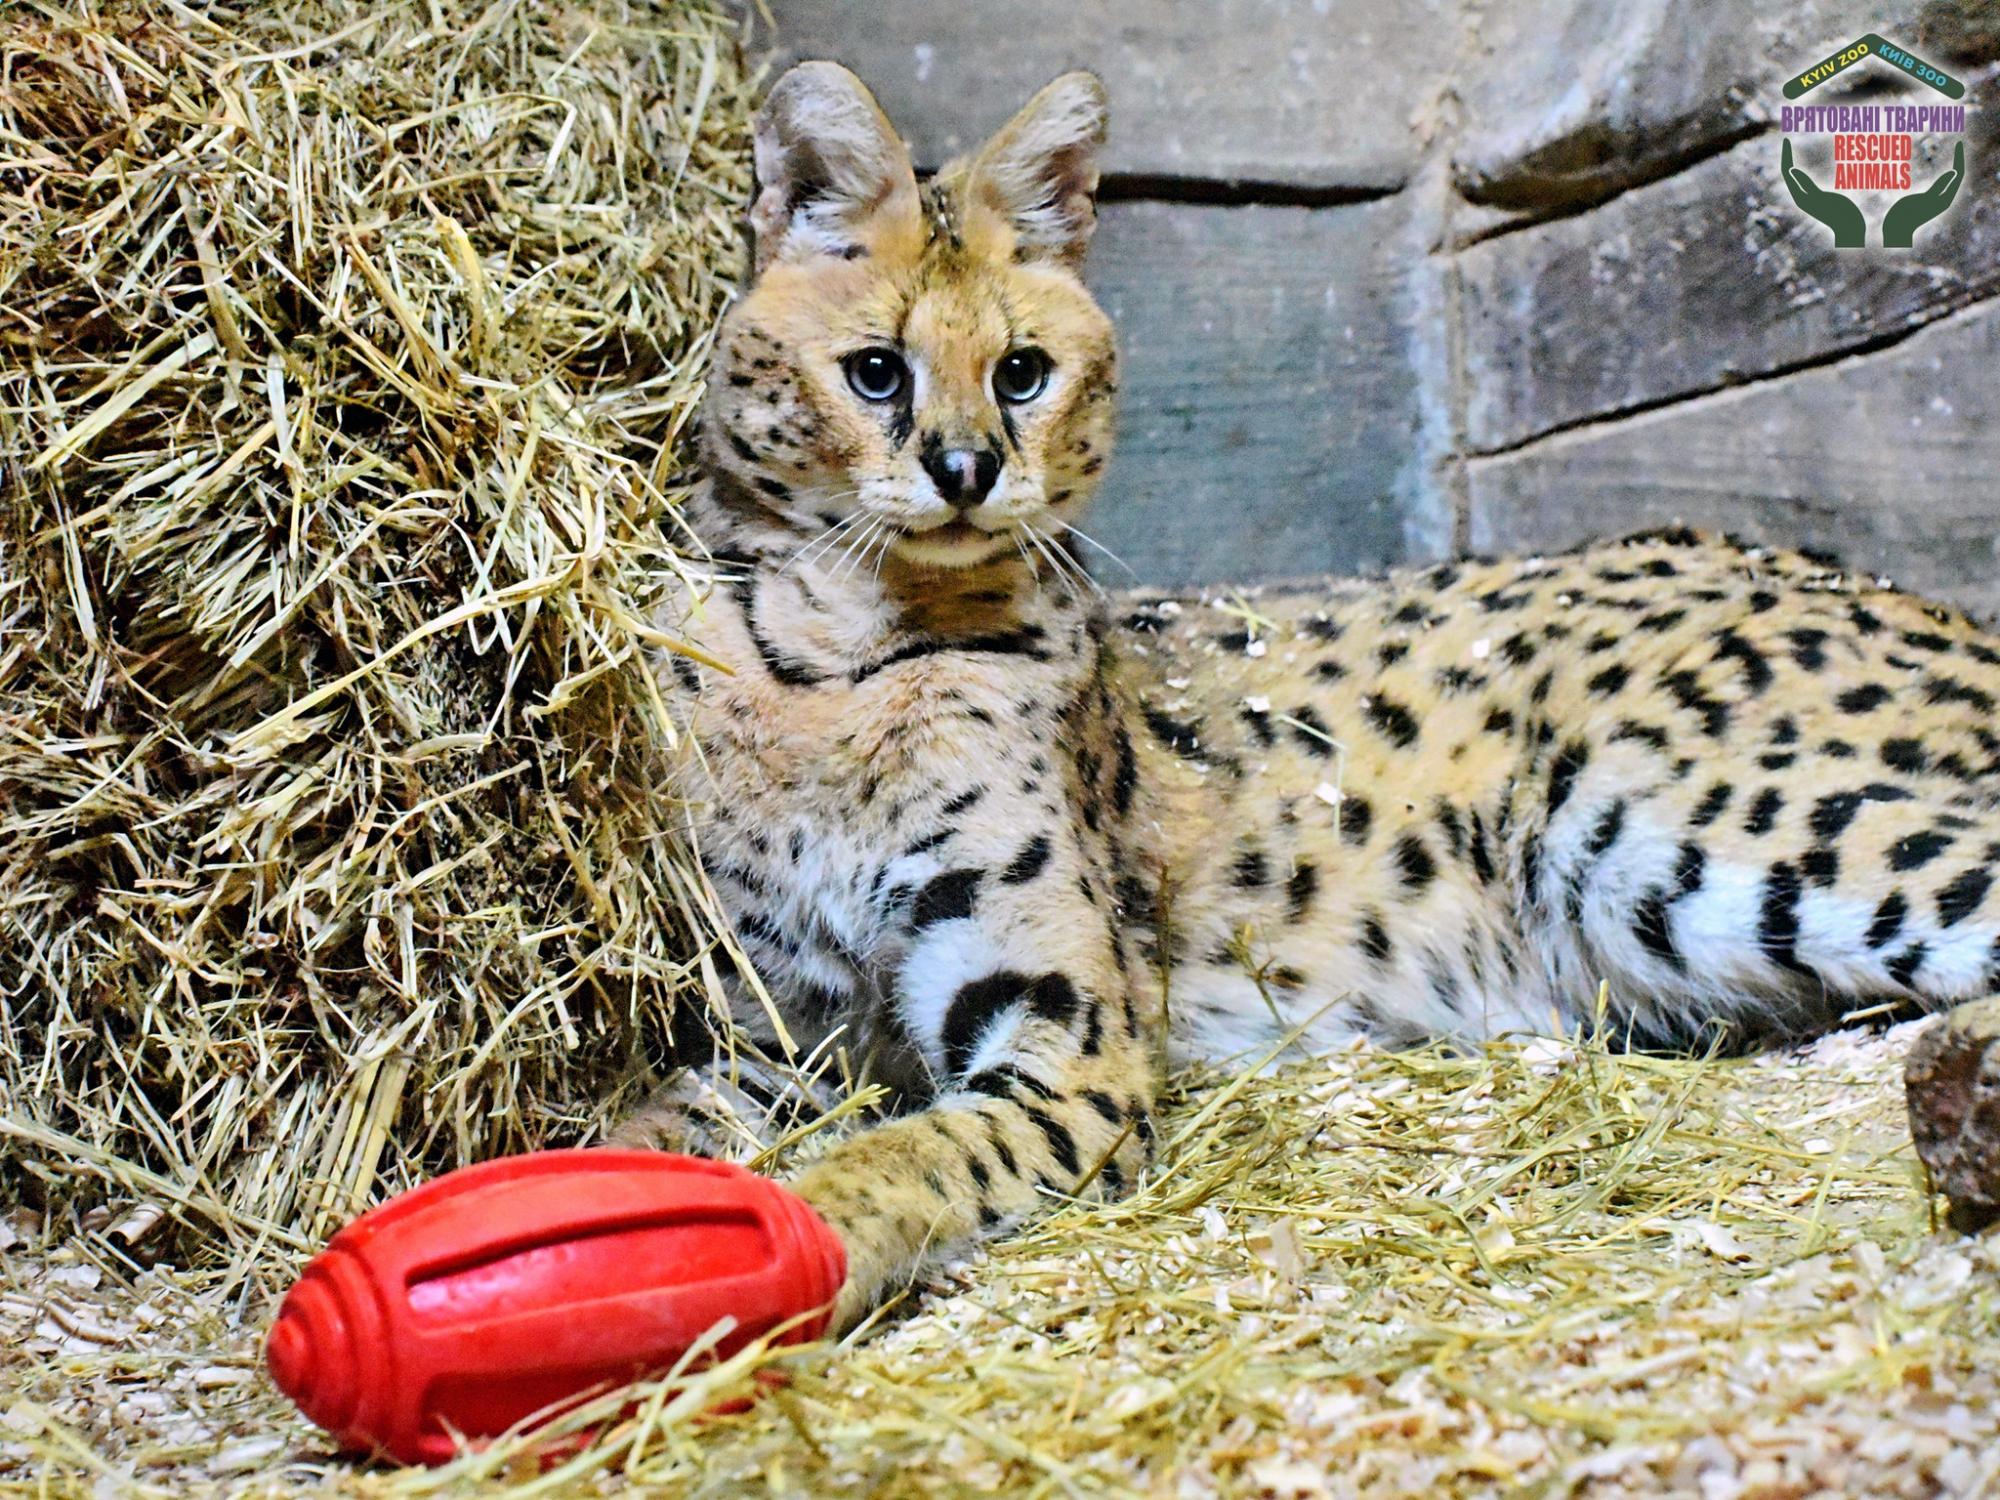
478, 1299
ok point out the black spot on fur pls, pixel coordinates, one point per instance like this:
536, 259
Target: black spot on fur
1903, 967
1029, 863
1915, 850
1651, 920
1609, 681
1393, 721
1310, 731
1713, 801
1569, 764
1832, 813
1053, 998
972, 1009
1904, 754
1963, 896
1375, 938
1764, 810
1453, 826
1808, 647
1482, 856
1125, 779
1414, 865
1182, 739
1023, 640
1951, 691
1645, 734
1685, 688
945, 897
1251, 869
1888, 919
1609, 825
1062, 1145
1757, 674
1300, 888
1778, 919
1862, 699
785, 669
1356, 815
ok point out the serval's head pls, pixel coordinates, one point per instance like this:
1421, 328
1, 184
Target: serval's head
918, 364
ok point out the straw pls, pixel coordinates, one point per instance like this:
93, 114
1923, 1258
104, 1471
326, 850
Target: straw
1544, 1269
346, 365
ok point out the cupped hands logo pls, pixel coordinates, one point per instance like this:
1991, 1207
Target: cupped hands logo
1874, 147
1842, 214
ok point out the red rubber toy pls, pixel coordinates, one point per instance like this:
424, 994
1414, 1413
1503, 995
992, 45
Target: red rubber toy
476, 1300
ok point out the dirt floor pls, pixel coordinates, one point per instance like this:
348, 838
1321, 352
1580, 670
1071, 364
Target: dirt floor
1543, 1271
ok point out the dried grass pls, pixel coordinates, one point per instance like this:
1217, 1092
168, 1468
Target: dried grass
346, 352
1544, 1270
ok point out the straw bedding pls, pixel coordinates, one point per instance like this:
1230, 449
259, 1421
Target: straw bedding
346, 359
1540, 1271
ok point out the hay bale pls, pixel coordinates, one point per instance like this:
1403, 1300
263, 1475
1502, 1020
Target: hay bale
346, 356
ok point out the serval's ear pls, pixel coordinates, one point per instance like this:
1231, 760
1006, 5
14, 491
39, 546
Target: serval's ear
831, 172
1040, 172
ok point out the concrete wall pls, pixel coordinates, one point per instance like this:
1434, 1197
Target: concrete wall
1403, 278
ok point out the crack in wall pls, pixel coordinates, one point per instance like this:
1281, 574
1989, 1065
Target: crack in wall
1236, 192
1861, 349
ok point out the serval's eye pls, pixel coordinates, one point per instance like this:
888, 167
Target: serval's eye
1021, 375
876, 374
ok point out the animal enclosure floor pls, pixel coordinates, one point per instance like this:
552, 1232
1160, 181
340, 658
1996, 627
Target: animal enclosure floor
1544, 1270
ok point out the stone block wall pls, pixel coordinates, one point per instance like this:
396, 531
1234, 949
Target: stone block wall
1398, 279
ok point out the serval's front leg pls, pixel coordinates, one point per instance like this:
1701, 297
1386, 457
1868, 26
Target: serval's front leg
1014, 986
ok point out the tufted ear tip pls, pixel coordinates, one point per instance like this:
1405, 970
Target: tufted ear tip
817, 81
1080, 96
827, 160
1040, 172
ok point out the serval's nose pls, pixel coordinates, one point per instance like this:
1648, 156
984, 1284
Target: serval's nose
964, 476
